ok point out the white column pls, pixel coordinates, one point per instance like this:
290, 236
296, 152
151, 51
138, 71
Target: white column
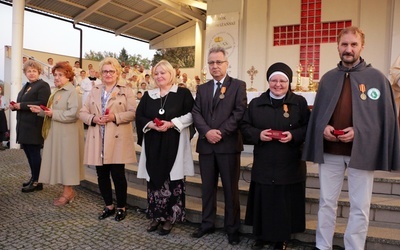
199, 45
16, 62
395, 32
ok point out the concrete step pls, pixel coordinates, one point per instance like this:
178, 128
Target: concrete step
383, 233
385, 205
381, 236
384, 182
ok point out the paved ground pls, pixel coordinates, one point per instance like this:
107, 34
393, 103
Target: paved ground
30, 221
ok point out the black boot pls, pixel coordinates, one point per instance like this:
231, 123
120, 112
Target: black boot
34, 186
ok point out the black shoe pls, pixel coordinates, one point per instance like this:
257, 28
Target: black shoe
280, 245
153, 226
120, 215
166, 229
34, 186
201, 232
28, 182
106, 213
233, 238
258, 244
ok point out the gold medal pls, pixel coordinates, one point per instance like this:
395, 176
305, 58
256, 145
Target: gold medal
286, 110
363, 96
222, 95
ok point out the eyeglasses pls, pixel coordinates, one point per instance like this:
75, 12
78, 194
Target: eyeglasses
219, 63
280, 81
105, 72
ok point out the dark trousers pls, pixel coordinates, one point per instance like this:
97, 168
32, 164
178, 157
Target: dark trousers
32, 152
228, 167
118, 176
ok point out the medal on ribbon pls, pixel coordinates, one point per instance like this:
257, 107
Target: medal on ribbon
286, 111
363, 96
222, 95
27, 90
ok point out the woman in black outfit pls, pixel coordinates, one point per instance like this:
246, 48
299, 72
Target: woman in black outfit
276, 201
29, 125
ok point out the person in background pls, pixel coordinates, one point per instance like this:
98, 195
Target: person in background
128, 71
394, 76
29, 125
134, 80
77, 68
187, 82
139, 96
3, 120
219, 107
353, 115
125, 80
88, 83
63, 135
90, 66
166, 156
178, 74
50, 61
141, 74
198, 82
149, 82
143, 87
276, 124
78, 79
109, 111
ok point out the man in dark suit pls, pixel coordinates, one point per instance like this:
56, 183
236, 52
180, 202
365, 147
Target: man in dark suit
219, 106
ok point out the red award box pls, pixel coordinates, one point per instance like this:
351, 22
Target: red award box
12, 102
338, 132
44, 107
277, 134
107, 112
158, 122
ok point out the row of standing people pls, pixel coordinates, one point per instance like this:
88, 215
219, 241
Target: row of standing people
349, 104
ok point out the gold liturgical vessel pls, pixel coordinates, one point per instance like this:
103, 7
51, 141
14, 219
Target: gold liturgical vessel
252, 72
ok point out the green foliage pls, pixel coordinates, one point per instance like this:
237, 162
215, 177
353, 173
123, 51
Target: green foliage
122, 57
182, 56
95, 56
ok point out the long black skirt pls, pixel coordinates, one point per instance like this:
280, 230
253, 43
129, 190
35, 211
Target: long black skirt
276, 211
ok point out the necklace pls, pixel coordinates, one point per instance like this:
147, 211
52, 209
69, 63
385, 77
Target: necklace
161, 111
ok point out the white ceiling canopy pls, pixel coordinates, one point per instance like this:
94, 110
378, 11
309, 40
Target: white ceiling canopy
143, 20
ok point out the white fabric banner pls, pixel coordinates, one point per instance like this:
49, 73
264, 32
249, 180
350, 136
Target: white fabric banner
223, 30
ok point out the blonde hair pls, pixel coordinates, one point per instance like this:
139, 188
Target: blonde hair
32, 64
354, 30
165, 65
110, 61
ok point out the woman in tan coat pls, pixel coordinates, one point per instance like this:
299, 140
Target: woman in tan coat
63, 135
109, 111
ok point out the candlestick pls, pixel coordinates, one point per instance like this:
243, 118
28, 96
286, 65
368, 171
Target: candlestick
204, 74
311, 77
299, 70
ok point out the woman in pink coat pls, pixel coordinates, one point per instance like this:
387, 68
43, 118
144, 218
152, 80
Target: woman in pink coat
109, 111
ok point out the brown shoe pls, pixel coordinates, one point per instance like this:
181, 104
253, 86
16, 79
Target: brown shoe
62, 201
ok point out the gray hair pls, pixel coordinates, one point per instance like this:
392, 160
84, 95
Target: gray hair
217, 49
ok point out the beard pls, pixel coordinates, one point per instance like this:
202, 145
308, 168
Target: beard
349, 58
